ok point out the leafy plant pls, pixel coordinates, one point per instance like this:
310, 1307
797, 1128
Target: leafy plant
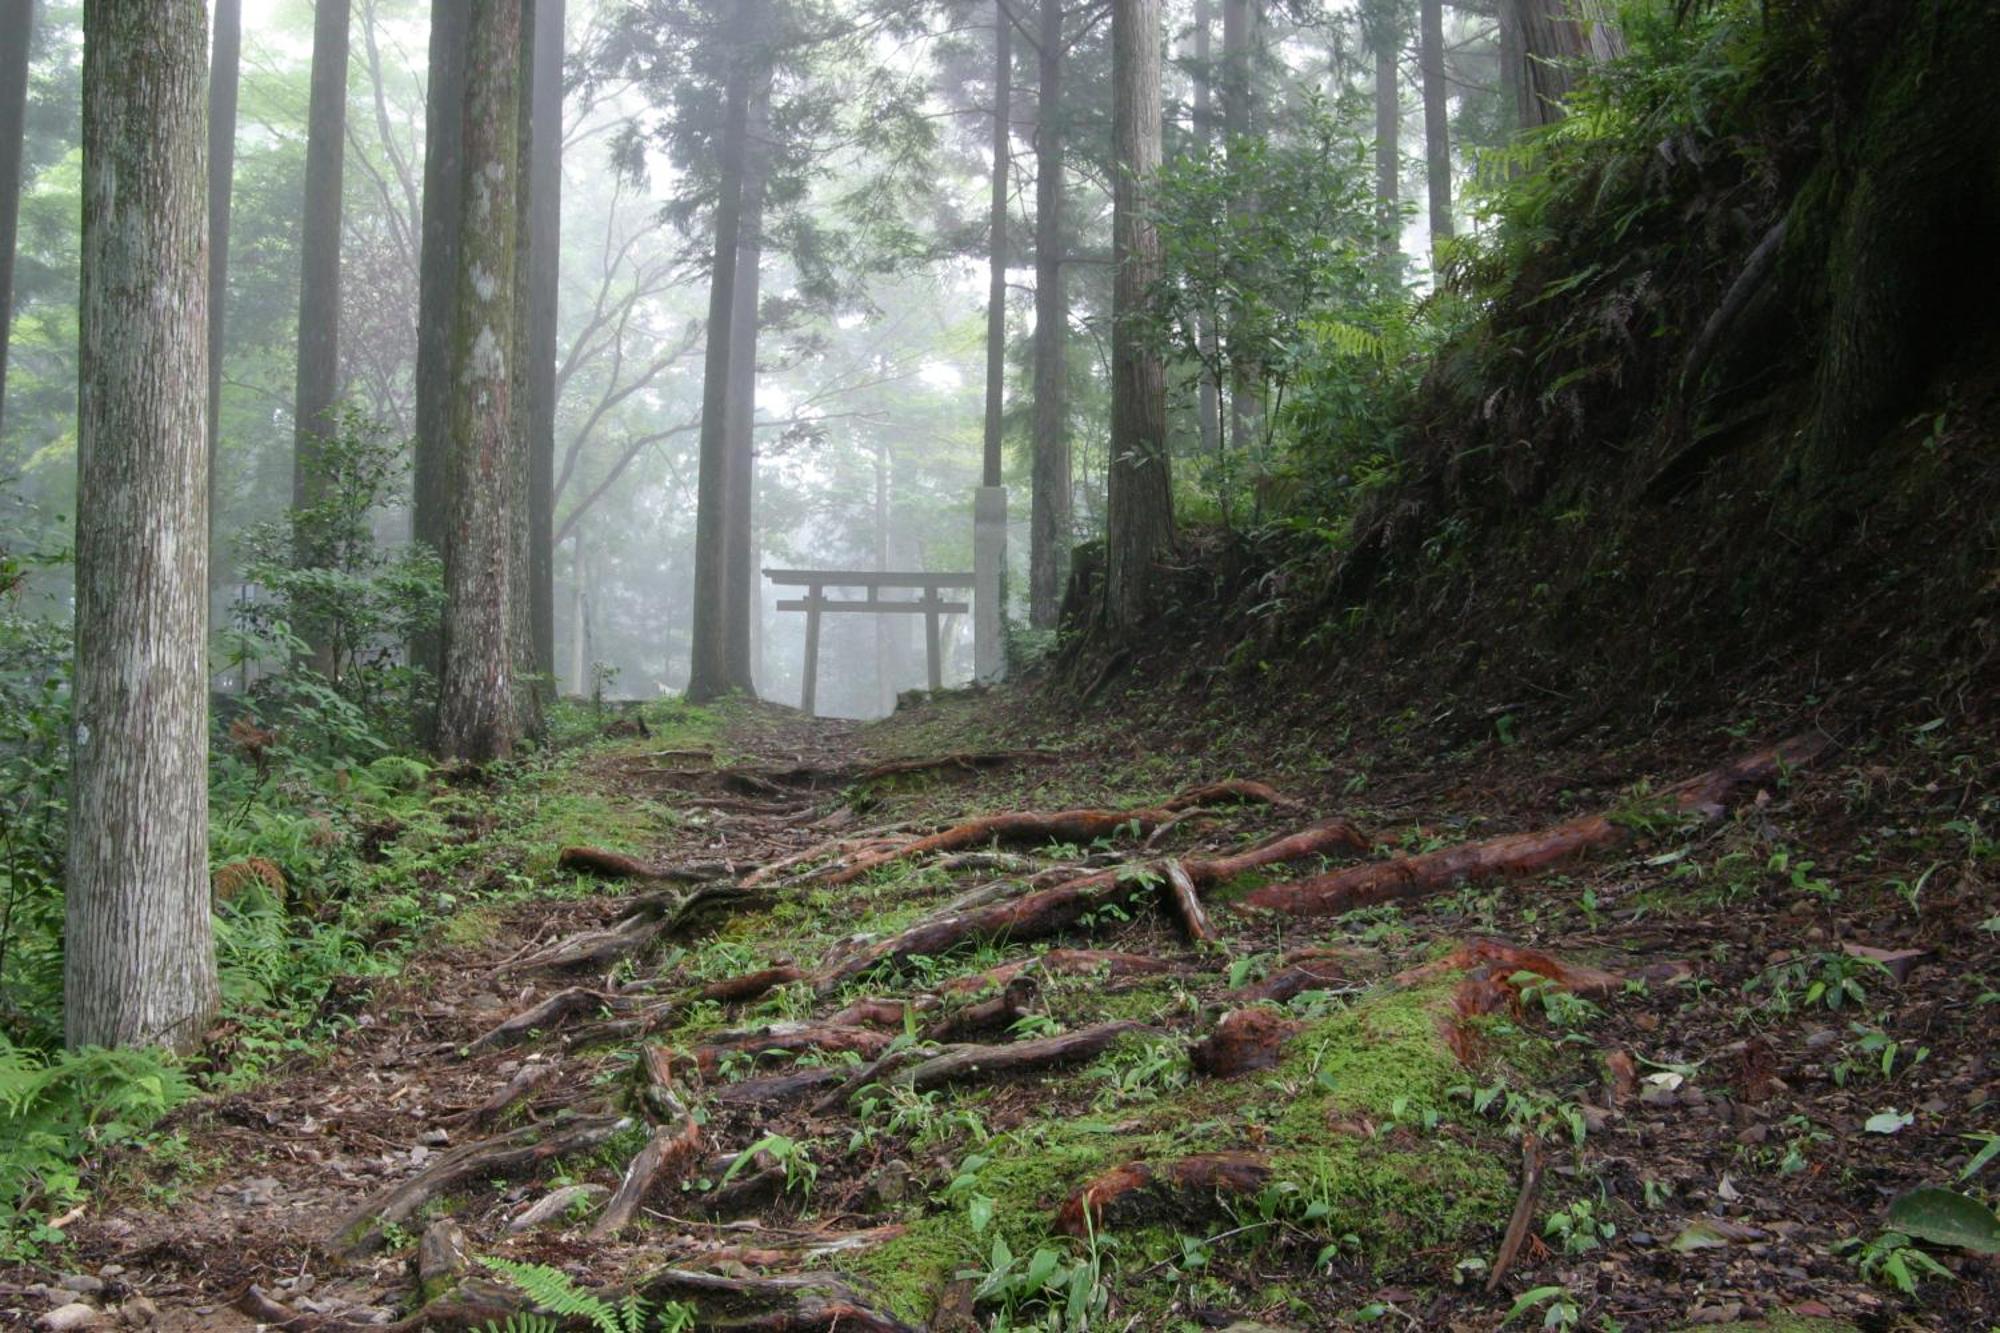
1893, 1259
558, 1293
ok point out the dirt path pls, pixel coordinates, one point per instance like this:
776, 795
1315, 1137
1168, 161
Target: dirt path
834, 1057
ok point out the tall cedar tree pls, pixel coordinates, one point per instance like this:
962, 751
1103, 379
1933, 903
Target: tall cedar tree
711, 672
1239, 87
1545, 44
1437, 120
1139, 516
225, 69
437, 290
18, 17
319, 261
741, 608
1049, 499
1383, 22
544, 224
139, 960
996, 244
478, 710
1208, 393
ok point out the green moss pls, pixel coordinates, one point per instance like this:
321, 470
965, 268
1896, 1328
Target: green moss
1389, 1048
908, 1273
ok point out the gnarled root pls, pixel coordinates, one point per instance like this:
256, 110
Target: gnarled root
1407, 877
1139, 1191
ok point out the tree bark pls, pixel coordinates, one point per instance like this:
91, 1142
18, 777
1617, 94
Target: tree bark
1386, 39
1209, 391
16, 16
444, 118
1139, 499
319, 262
478, 717
1049, 519
139, 962
1557, 38
1437, 122
709, 668
996, 247
544, 263
1239, 23
741, 609
528, 698
225, 69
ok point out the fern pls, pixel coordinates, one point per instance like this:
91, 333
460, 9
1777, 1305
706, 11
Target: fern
523, 1323
558, 1293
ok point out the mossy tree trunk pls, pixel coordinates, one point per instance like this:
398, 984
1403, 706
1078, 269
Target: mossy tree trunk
17, 17
1049, 498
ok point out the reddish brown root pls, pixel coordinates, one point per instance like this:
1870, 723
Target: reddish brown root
1056, 826
787, 1038
1407, 877
1500, 960
1244, 1040
1180, 893
659, 1164
1143, 1191
749, 986
1523, 1215
606, 864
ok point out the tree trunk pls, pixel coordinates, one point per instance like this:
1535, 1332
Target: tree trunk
1139, 498
1556, 37
319, 267
996, 238
16, 16
1239, 22
139, 962
742, 602
444, 119
579, 618
544, 263
528, 700
1437, 122
709, 668
225, 69
1049, 522
885, 648
1387, 44
478, 717
1209, 391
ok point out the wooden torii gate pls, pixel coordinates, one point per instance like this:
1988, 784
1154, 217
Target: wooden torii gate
815, 603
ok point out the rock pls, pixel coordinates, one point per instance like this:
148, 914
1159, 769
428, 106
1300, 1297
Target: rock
435, 1138
889, 1184
138, 1312
443, 1256
82, 1283
74, 1315
258, 1191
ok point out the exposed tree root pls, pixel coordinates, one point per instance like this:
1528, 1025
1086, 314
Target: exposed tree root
1142, 1191
550, 1013
617, 865
1056, 826
1524, 1212
647, 919
782, 1038
802, 1303
1245, 1039
776, 1089
530, 1077
963, 1064
1186, 901
1406, 877
750, 985
659, 1163
508, 1154
1501, 961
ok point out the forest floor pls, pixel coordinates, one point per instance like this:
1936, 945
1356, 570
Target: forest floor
1692, 1050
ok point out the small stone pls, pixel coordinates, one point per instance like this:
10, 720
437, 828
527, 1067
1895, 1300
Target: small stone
1755, 1134
74, 1315
138, 1312
1646, 1022
890, 1183
1821, 1038
82, 1283
259, 1190
443, 1256
110, 1271
435, 1138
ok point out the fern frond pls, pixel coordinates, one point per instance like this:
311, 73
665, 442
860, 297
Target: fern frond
558, 1293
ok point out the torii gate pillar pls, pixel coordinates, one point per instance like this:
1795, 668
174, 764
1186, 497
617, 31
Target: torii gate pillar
989, 563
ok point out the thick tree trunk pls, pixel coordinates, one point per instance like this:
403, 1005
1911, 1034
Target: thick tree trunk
1437, 121
1557, 38
225, 69
996, 243
741, 607
444, 118
319, 264
1209, 392
1139, 498
709, 668
478, 717
17, 17
139, 963
544, 263
1049, 521
528, 696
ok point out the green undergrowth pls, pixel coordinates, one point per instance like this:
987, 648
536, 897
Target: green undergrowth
1375, 1155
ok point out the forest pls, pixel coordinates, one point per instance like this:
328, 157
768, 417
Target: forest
884, 666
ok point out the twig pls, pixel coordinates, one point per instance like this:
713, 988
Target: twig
1524, 1212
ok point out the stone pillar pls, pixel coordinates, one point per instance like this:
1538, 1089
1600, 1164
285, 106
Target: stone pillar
989, 563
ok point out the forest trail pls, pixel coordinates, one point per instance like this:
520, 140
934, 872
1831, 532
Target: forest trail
837, 1036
